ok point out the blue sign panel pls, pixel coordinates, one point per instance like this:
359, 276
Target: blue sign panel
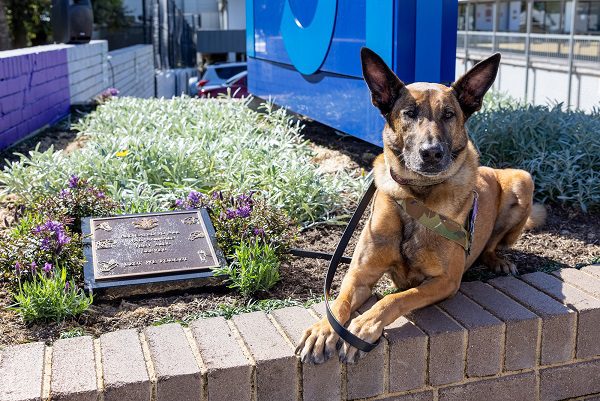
305, 54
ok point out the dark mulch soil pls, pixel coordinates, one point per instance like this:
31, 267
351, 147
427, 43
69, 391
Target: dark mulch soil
569, 239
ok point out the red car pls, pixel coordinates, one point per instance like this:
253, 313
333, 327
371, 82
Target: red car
238, 85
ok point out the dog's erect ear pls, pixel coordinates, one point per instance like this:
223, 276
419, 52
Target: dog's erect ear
384, 84
471, 87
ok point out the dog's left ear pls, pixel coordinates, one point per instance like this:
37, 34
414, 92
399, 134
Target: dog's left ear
471, 87
385, 86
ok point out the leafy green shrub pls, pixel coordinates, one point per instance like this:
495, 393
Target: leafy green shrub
149, 152
50, 296
255, 268
79, 199
243, 217
560, 148
49, 231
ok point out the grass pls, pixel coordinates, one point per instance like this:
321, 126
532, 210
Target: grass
229, 310
149, 152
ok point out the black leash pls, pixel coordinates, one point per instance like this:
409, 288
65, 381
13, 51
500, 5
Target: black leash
337, 257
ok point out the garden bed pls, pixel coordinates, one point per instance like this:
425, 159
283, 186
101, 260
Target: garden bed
569, 239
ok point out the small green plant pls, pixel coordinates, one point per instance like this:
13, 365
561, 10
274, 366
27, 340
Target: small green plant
255, 268
50, 296
72, 333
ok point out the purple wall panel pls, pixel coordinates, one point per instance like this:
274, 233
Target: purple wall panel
34, 92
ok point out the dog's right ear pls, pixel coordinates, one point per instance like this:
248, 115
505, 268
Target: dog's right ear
385, 86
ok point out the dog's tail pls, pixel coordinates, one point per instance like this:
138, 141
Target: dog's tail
537, 217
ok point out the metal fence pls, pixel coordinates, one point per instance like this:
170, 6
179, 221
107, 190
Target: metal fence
568, 49
586, 49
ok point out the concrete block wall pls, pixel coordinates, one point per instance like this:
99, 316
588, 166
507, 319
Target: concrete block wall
39, 84
88, 75
131, 71
530, 338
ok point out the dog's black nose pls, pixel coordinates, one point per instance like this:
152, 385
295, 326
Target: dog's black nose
431, 152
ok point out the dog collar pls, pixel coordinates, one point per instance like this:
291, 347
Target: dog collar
410, 182
441, 224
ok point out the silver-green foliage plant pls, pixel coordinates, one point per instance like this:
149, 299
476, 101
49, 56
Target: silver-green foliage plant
149, 152
559, 147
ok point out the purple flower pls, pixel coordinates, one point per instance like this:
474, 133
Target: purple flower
33, 267
47, 267
231, 214
67, 286
100, 195
194, 197
113, 91
53, 236
217, 195
73, 181
64, 193
259, 232
179, 203
244, 211
18, 268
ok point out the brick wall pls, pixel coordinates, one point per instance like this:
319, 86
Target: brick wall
34, 90
531, 338
38, 84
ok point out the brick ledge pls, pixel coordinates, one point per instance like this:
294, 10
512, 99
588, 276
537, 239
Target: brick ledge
535, 337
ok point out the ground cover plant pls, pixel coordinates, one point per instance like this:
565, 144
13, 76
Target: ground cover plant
149, 152
558, 146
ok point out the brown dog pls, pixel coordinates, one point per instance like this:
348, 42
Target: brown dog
427, 155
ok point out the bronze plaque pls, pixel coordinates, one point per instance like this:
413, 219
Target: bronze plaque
151, 244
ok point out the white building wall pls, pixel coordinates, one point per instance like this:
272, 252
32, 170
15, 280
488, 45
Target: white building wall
236, 11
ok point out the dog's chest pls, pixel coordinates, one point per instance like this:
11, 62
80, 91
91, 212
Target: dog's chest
415, 239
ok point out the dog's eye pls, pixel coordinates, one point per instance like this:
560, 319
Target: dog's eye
448, 114
410, 113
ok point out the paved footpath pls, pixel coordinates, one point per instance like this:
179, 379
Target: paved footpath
532, 337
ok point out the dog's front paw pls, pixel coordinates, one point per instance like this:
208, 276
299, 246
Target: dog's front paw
365, 327
499, 264
318, 343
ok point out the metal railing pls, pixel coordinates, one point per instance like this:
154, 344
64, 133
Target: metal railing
586, 49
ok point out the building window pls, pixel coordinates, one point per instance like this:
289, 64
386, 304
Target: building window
512, 16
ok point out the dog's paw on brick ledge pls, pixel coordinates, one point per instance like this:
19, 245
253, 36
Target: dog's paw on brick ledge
535, 337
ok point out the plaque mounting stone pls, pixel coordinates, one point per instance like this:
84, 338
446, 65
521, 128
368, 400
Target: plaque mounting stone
149, 252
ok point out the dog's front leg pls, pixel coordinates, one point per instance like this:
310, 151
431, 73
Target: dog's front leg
369, 326
319, 341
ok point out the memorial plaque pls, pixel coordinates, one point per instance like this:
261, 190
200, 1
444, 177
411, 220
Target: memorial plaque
149, 248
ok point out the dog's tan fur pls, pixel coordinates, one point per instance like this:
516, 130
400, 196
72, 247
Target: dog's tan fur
425, 266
